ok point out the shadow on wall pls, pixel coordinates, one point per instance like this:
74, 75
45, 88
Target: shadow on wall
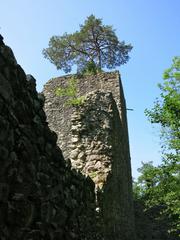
40, 196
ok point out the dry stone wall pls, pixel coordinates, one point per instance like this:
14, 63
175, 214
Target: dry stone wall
95, 138
41, 197
57, 110
91, 126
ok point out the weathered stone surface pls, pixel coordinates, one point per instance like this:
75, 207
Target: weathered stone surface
98, 128
106, 161
41, 197
57, 111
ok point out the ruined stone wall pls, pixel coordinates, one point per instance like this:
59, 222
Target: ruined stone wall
98, 149
57, 110
97, 139
41, 197
91, 136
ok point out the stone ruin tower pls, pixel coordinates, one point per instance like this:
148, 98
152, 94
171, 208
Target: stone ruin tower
94, 136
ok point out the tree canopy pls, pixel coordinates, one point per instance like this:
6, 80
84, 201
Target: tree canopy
166, 110
159, 186
95, 44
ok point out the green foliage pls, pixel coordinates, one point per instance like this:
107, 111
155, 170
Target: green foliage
93, 174
166, 111
89, 69
94, 43
71, 92
159, 186
75, 101
145, 181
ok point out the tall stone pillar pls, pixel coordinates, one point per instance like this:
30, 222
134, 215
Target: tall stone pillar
95, 137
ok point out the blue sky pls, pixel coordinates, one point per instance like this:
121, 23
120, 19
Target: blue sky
151, 26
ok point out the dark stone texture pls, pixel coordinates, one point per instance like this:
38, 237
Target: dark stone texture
40, 196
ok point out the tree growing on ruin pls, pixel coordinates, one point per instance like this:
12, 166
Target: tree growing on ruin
94, 44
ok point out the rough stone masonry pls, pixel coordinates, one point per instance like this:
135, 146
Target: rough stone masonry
43, 197
94, 136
